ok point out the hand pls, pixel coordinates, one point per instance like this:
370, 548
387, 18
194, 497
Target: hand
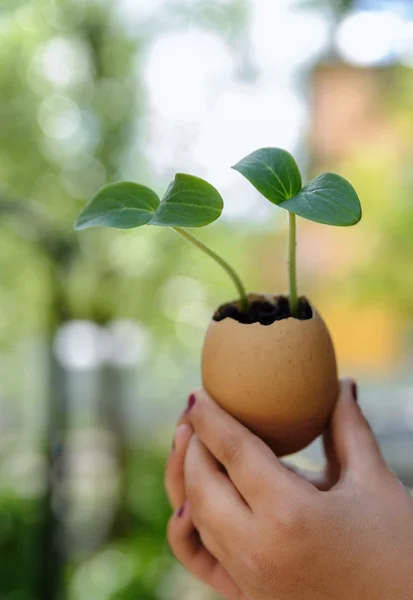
183, 537
260, 531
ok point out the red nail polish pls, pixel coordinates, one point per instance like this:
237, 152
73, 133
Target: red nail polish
191, 403
354, 391
181, 510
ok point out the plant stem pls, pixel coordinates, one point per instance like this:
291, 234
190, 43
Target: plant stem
231, 272
293, 266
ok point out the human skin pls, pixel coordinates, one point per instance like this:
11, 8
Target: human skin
258, 530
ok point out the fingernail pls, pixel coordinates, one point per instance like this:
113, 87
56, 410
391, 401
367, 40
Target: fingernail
191, 403
181, 510
354, 390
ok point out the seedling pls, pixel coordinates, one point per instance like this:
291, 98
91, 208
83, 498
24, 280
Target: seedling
188, 202
191, 202
328, 199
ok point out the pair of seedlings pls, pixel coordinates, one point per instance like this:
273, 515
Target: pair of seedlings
268, 360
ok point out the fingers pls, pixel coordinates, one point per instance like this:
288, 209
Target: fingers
219, 512
349, 444
174, 474
250, 464
189, 550
332, 469
355, 446
329, 476
320, 481
184, 539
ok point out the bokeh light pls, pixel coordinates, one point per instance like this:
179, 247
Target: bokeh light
369, 38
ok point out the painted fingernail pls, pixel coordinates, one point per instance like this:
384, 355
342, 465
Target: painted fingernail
191, 403
354, 391
181, 510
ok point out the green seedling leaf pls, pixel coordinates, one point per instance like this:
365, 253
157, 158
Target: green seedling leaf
189, 202
273, 172
123, 205
328, 199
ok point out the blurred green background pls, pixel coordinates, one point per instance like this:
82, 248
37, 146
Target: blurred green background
100, 332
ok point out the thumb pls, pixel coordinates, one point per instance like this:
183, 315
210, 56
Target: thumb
355, 446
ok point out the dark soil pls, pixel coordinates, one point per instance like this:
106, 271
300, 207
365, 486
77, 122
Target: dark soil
263, 311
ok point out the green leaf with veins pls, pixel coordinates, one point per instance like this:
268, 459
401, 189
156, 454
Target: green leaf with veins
122, 205
328, 199
189, 202
273, 172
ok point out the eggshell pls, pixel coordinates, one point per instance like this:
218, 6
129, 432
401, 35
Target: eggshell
279, 380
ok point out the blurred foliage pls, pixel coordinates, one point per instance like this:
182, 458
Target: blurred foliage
128, 568
18, 542
133, 566
338, 7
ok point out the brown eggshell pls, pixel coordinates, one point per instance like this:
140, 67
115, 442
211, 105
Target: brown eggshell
279, 380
